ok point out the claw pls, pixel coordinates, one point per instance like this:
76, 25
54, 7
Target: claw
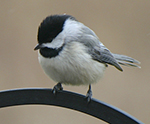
56, 88
89, 94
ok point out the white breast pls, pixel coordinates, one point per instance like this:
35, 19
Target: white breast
73, 67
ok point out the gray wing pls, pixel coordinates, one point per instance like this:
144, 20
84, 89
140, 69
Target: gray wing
101, 54
96, 49
105, 56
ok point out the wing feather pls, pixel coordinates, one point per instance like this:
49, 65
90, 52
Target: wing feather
100, 53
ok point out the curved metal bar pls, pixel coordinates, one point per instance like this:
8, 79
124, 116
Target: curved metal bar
66, 99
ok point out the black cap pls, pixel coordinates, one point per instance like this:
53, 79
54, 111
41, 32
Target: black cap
51, 27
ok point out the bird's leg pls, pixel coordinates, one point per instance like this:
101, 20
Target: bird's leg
89, 94
57, 87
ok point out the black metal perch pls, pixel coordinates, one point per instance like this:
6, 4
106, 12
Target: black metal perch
66, 99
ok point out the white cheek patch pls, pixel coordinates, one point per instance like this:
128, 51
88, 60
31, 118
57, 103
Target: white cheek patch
56, 42
70, 32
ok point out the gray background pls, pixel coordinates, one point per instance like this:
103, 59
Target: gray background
123, 26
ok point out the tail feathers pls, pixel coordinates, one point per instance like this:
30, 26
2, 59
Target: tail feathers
127, 64
126, 60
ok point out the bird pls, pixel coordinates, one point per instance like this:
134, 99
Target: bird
70, 53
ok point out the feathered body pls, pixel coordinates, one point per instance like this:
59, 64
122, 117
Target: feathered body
75, 67
71, 53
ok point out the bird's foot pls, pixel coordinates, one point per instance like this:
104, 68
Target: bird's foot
89, 94
57, 87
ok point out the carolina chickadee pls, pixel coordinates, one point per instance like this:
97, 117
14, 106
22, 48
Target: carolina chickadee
71, 53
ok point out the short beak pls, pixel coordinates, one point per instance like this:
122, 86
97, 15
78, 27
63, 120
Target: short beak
39, 46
